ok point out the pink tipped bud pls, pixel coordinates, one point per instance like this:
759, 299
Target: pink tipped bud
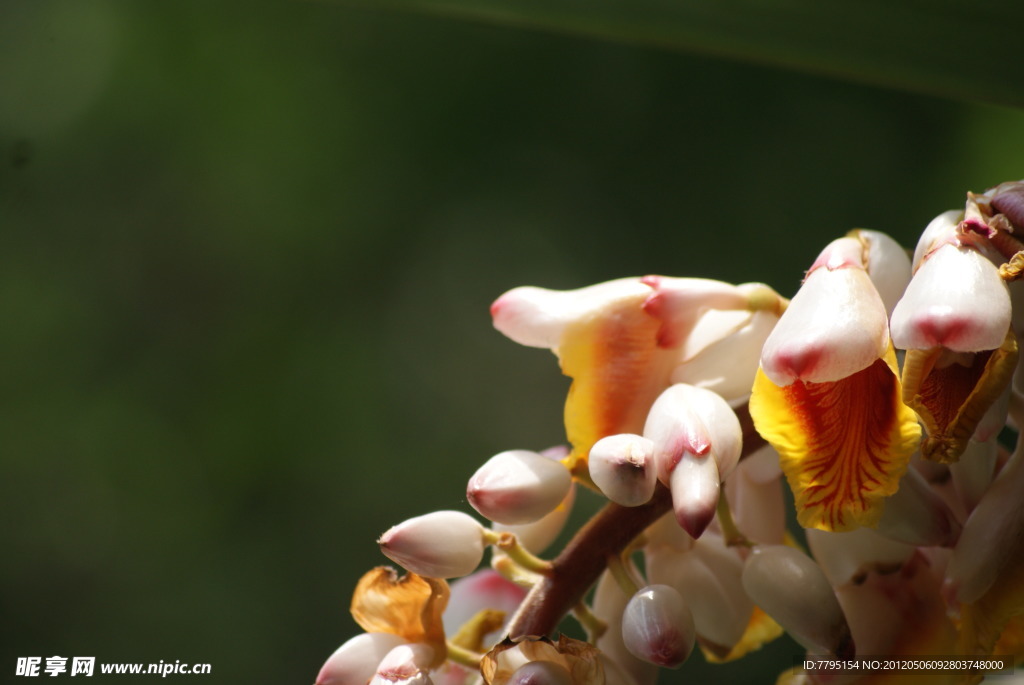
518, 487
405, 665
441, 544
355, 662
622, 466
541, 673
658, 627
695, 486
835, 326
956, 300
690, 420
793, 590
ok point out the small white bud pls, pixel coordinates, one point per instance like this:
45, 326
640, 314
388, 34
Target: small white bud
441, 544
518, 487
622, 466
541, 673
658, 627
406, 664
793, 590
355, 662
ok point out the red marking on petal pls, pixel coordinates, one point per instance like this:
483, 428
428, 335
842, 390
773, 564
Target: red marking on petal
943, 330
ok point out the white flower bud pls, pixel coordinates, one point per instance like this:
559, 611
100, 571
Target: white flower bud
538, 535
518, 487
622, 466
441, 544
845, 555
405, 665
793, 590
956, 300
609, 604
658, 627
835, 326
695, 487
355, 662
541, 673
686, 419
887, 264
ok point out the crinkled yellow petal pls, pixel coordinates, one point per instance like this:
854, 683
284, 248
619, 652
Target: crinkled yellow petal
410, 607
618, 370
993, 624
951, 398
843, 445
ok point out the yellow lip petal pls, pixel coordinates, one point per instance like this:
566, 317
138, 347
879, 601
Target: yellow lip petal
843, 445
951, 393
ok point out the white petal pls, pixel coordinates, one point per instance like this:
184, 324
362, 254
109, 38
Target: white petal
844, 555
441, 544
835, 326
916, 515
793, 590
657, 626
888, 266
991, 535
762, 465
956, 300
973, 473
485, 589
666, 532
356, 661
623, 467
680, 302
729, 365
518, 487
758, 508
940, 229
537, 317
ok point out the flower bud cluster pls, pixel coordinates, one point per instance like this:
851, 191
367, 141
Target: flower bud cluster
691, 400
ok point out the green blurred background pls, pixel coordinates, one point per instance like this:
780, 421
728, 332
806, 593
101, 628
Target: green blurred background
246, 257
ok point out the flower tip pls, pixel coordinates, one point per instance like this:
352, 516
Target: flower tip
441, 544
518, 487
355, 662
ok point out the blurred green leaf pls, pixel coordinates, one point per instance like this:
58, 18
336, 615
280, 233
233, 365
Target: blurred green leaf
961, 49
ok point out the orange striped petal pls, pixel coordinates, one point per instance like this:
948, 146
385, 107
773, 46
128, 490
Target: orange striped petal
410, 607
618, 370
952, 391
843, 445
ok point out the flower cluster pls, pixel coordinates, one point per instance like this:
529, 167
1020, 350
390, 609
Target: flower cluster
879, 393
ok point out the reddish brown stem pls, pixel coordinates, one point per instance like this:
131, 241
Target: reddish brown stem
583, 560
